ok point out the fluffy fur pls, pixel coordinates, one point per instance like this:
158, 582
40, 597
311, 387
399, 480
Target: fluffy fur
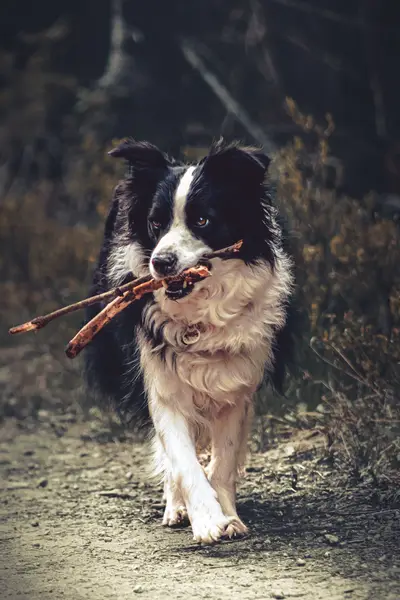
195, 356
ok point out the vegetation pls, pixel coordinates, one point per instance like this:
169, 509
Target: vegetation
348, 291
56, 182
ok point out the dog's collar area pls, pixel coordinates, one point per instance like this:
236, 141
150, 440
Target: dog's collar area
193, 332
191, 335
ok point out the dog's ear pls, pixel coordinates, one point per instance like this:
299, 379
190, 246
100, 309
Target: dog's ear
235, 163
147, 166
140, 156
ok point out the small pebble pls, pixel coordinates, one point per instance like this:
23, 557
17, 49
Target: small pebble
259, 545
327, 554
331, 539
129, 475
138, 589
35, 545
43, 414
278, 595
300, 562
42, 483
35, 524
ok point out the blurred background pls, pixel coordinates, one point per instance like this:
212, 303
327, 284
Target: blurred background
315, 82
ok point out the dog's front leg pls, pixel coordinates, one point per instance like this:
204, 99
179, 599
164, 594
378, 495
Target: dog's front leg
208, 521
175, 510
228, 447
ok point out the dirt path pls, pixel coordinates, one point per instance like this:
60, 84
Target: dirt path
79, 519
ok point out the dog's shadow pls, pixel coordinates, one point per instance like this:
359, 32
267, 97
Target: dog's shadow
358, 523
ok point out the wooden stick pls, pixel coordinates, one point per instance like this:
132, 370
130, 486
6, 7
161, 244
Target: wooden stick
41, 321
87, 333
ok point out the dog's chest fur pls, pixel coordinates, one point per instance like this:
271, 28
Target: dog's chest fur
233, 317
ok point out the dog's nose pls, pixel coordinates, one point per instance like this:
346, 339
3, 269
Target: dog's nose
164, 264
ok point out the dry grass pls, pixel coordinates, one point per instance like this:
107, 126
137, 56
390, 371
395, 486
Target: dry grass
348, 280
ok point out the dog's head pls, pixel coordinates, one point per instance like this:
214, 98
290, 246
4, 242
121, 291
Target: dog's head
178, 212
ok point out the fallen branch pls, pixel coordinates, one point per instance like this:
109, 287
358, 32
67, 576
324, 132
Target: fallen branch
233, 107
87, 333
41, 321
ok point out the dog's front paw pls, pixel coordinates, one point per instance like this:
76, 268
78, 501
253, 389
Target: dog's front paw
236, 528
210, 526
175, 516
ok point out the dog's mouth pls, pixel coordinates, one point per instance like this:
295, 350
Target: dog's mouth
178, 287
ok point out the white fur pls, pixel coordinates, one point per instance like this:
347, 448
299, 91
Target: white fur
202, 392
179, 240
124, 260
181, 194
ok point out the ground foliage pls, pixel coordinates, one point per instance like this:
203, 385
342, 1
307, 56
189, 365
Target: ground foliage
55, 195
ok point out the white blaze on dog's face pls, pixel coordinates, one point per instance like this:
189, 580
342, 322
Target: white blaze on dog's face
176, 213
178, 247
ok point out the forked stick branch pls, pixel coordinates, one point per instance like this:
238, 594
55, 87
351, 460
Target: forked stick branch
87, 333
40, 322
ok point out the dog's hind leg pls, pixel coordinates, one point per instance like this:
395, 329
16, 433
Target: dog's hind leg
229, 434
175, 513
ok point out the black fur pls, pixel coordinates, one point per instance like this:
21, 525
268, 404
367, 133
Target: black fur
228, 187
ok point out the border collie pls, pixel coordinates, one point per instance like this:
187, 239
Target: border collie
197, 353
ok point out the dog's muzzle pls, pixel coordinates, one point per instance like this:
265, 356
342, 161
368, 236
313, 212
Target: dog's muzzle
175, 290
177, 287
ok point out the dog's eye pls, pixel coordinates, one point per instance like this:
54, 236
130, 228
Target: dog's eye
202, 222
156, 225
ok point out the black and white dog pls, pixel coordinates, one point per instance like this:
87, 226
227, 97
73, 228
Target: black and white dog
199, 352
